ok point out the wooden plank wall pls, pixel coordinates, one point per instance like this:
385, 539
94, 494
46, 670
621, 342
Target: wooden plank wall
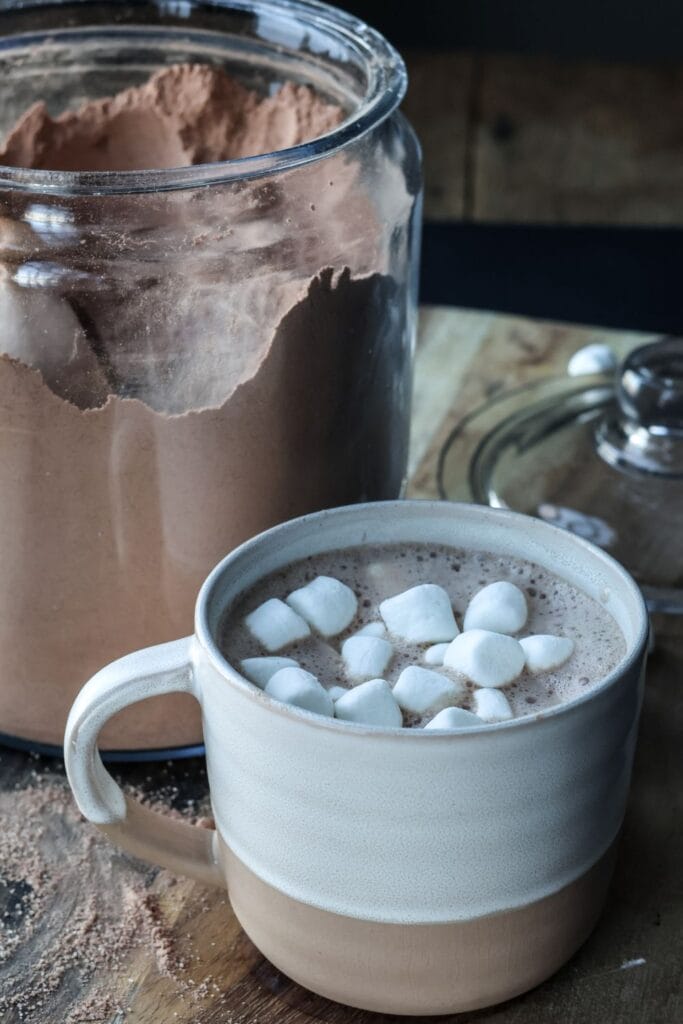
533, 140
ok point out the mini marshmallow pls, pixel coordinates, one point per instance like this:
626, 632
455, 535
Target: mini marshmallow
594, 358
434, 655
336, 692
275, 625
499, 607
371, 703
491, 705
326, 604
372, 629
421, 615
454, 718
260, 670
300, 688
366, 657
423, 692
545, 652
485, 658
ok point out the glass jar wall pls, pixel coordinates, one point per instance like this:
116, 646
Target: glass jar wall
189, 355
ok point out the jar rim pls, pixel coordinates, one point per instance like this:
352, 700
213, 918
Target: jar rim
387, 84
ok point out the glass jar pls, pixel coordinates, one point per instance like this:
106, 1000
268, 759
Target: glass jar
192, 355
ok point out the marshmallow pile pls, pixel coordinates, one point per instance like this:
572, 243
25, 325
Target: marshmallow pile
485, 654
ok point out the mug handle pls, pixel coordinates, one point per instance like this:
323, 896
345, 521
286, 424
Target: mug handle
182, 848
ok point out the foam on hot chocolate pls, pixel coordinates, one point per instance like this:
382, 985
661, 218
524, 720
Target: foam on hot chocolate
555, 608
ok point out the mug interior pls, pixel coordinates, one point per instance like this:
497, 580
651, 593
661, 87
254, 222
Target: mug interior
473, 527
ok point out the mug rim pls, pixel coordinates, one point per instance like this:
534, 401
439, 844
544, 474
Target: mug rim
220, 663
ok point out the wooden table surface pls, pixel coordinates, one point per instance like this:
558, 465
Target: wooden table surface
629, 972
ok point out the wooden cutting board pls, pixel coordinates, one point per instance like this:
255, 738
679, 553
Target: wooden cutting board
193, 965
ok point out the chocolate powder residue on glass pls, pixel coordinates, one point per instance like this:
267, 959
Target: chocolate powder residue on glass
187, 369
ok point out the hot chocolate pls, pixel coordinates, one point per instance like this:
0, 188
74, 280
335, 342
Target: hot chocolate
400, 870
563, 640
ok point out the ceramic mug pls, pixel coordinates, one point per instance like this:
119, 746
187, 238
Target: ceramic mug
405, 871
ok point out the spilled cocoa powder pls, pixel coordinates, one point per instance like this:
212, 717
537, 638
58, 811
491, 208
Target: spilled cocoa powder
183, 371
77, 910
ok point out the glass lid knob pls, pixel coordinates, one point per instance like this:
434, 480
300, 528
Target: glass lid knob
650, 389
644, 432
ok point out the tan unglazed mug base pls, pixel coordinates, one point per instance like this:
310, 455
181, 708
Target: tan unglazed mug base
417, 968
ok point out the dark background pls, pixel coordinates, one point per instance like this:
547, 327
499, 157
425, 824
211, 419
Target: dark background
605, 274
610, 29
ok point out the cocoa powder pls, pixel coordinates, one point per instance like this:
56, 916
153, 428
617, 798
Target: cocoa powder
79, 909
185, 114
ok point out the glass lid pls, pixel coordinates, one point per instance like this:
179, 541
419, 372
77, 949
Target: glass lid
599, 455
